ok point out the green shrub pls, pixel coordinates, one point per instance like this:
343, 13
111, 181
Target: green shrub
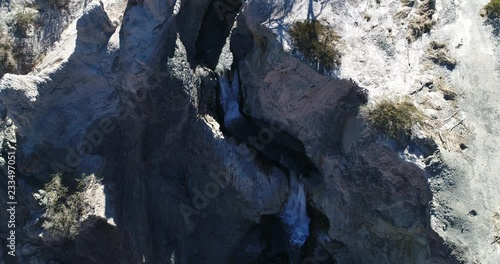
62, 209
316, 41
395, 118
23, 20
493, 9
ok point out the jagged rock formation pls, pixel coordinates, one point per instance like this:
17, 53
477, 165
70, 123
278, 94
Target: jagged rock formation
138, 104
32, 28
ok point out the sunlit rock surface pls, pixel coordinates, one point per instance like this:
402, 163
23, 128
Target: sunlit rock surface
143, 95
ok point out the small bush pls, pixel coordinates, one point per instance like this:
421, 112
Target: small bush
62, 209
316, 41
23, 20
492, 9
395, 118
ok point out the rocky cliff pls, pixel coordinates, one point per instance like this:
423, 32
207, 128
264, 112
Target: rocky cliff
215, 141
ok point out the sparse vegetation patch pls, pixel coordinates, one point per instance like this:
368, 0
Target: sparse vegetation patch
492, 9
439, 53
448, 92
63, 209
316, 41
7, 62
421, 22
23, 20
395, 119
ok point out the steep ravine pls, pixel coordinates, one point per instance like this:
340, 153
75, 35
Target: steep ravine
273, 145
191, 171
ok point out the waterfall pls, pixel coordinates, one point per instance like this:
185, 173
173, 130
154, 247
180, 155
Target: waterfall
230, 98
294, 216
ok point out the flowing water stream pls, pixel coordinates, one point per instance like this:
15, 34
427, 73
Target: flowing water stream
294, 215
294, 219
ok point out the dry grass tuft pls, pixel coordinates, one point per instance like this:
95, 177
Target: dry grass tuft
439, 53
422, 22
395, 119
448, 92
317, 42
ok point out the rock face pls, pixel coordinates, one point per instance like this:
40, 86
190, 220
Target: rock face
137, 103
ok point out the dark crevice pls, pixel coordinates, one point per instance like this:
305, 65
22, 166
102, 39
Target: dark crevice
267, 242
275, 238
270, 142
207, 104
242, 40
215, 29
271, 239
319, 245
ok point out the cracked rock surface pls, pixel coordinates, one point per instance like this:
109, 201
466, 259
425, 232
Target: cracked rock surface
133, 93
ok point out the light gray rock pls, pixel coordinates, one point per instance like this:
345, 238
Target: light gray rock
130, 95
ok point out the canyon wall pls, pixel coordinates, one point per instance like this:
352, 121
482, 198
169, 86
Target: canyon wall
130, 93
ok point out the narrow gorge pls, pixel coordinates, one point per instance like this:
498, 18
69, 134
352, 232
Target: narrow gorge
195, 131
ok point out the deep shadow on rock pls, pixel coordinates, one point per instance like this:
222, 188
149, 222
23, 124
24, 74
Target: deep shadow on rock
96, 242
